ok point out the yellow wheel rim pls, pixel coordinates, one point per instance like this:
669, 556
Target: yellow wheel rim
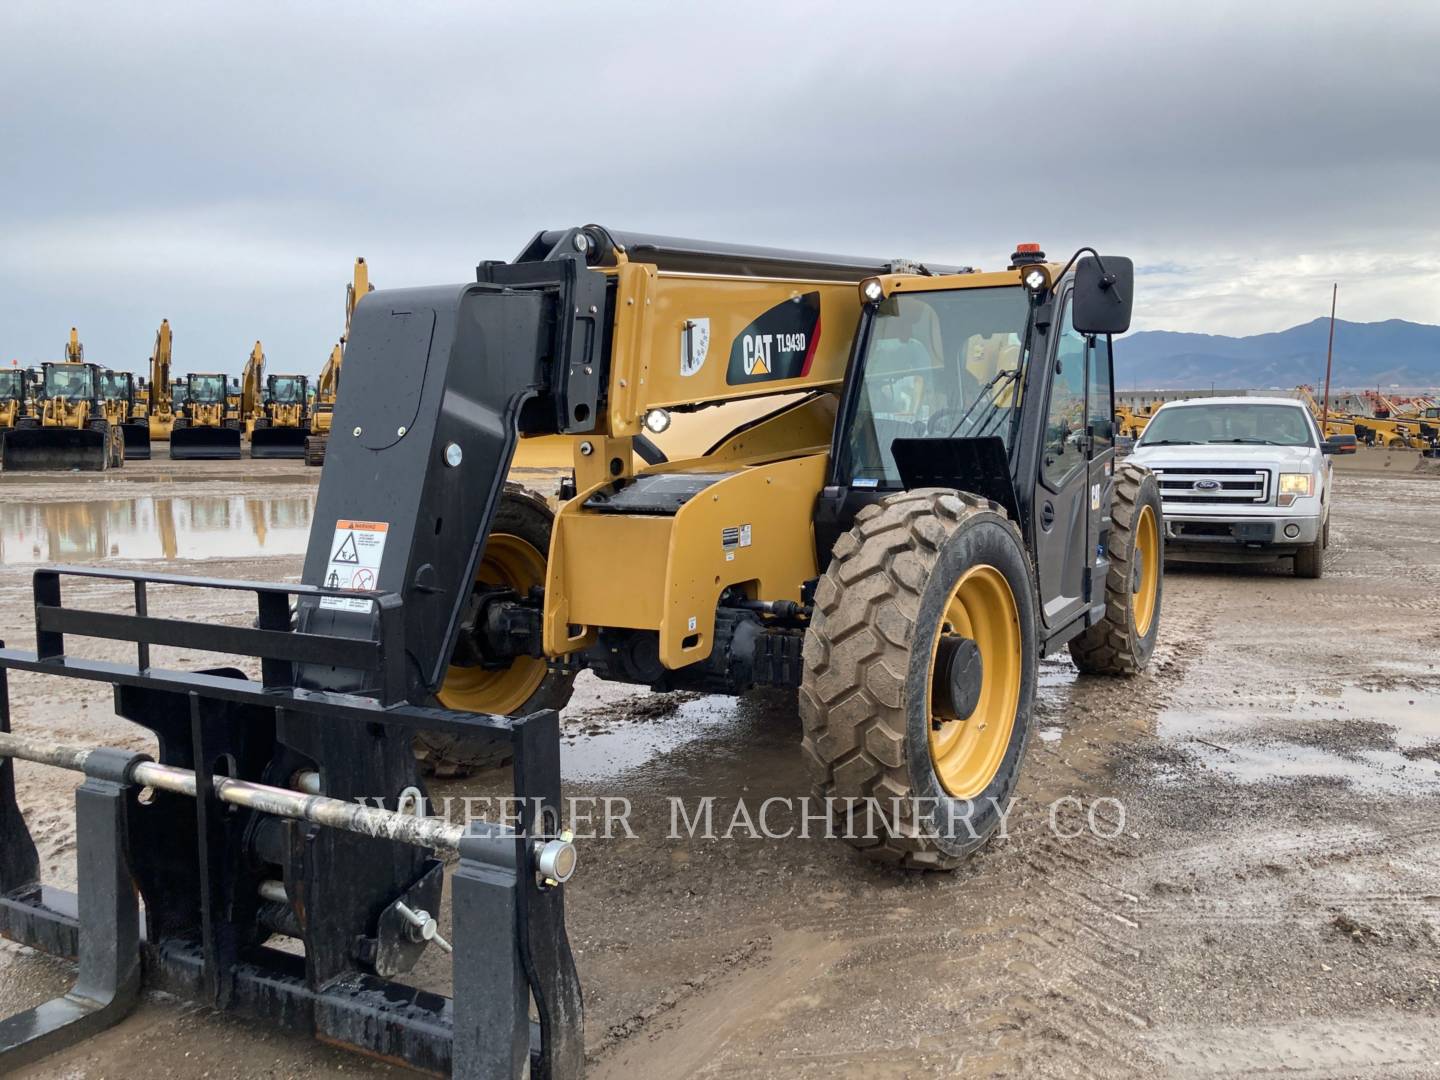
967, 753
1147, 547
515, 564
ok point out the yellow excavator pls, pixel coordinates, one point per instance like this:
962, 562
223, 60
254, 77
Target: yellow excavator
252, 381
159, 404
203, 426
328, 386
69, 429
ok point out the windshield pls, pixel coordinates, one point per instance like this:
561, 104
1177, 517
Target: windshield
937, 364
11, 384
207, 389
112, 385
287, 389
1262, 425
69, 381
179, 394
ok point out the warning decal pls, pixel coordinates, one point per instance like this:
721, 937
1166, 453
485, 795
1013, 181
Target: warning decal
355, 555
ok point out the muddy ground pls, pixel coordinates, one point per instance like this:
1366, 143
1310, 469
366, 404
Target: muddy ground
1259, 895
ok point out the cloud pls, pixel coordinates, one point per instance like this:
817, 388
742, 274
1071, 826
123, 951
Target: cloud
222, 165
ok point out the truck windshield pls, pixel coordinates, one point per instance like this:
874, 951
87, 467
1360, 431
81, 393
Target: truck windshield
207, 389
75, 382
112, 385
10, 384
179, 393
286, 390
1260, 425
937, 365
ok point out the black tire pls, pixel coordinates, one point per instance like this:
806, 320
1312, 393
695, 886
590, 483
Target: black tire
525, 515
315, 450
1117, 644
1310, 560
865, 691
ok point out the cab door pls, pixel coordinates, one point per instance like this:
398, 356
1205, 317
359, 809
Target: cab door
1063, 495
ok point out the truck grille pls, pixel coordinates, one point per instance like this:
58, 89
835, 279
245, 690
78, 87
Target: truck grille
1214, 487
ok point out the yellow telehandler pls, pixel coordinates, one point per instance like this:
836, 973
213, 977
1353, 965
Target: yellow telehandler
923, 502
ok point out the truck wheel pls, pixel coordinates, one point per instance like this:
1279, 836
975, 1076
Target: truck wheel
1121, 642
1310, 559
919, 676
514, 557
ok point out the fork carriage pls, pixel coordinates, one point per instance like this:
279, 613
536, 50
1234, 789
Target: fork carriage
192, 864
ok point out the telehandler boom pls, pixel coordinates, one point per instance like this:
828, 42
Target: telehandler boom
931, 504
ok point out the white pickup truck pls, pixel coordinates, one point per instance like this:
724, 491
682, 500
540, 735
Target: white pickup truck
1242, 479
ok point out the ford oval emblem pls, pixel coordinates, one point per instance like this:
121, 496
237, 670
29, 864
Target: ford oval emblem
1206, 485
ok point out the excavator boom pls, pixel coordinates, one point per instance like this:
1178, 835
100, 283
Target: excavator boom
327, 387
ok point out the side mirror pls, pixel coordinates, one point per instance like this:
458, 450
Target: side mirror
1103, 300
1328, 447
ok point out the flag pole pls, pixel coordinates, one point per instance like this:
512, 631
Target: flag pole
1329, 359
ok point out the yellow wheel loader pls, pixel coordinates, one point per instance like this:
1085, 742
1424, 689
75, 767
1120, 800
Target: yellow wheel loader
281, 429
124, 410
327, 388
923, 501
203, 426
69, 428
12, 396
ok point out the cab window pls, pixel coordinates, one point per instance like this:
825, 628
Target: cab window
938, 364
1101, 409
1065, 418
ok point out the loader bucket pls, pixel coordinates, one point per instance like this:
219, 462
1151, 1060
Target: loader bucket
41, 448
278, 442
204, 442
137, 440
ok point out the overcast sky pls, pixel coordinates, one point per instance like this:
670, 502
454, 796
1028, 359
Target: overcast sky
221, 165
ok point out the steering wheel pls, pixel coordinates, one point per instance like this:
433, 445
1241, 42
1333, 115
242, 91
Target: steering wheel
934, 428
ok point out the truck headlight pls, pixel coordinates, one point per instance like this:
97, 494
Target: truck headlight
1295, 485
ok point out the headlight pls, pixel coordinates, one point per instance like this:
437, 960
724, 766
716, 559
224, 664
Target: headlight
1295, 485
1036, 279
657, 421
872, 290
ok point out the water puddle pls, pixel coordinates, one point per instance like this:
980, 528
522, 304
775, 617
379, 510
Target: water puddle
172, 527
1380, 741
710, 743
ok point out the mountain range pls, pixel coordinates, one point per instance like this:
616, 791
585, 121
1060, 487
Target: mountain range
1384, 354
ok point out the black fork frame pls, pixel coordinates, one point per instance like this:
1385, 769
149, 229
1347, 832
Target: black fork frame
512, 955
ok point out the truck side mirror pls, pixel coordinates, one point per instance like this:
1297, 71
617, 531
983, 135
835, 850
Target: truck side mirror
1103, 297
